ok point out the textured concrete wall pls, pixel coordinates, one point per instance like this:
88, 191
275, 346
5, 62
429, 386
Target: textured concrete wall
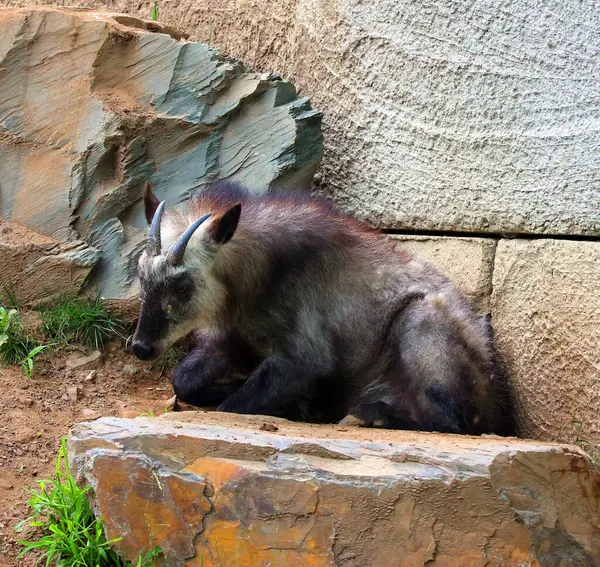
546, 312
445, 114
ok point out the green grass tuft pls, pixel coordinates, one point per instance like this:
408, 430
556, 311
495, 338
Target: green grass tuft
15, 344
70, 534
82, 321
592, 449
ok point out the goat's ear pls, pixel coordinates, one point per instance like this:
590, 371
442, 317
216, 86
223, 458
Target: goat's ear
223, 227
150, 203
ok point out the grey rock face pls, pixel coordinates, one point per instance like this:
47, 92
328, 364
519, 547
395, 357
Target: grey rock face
92, 106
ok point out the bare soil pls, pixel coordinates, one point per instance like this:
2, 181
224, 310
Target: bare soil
37, 412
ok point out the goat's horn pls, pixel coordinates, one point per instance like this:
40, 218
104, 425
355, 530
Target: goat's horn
153, 246
177, 252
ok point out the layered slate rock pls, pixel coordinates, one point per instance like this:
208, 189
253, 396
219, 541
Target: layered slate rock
93, 105
221, 490
452, 115
37, 268
546, 313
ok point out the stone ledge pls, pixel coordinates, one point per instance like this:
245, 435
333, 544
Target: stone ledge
219, 490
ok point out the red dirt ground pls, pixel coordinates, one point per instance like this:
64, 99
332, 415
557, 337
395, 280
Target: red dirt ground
36, 412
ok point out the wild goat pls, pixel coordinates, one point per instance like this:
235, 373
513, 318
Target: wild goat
297, 305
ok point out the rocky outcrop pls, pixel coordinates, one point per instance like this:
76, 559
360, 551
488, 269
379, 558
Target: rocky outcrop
92, 105
439, 115
37, 268
546, 313
221, 490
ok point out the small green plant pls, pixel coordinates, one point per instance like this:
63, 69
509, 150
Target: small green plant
27, 362
15, 344
70, 533
81, 320
7, 323
588, 447
154, 11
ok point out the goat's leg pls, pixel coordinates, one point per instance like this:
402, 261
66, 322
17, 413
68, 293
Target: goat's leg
276, 382
211, 372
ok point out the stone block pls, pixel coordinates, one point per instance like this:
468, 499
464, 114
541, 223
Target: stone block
467, 261
546, 314
220, 490
86, 362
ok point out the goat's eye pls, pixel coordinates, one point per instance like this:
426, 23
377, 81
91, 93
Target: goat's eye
182, 288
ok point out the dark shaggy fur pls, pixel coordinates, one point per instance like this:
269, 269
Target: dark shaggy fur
317, 316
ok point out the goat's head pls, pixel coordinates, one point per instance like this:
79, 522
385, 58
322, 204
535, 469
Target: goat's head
178, 288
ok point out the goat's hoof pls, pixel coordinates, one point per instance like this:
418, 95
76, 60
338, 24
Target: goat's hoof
353, 421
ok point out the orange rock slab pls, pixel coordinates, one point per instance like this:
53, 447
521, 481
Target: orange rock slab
214, 490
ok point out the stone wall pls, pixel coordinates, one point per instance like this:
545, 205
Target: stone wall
546, 312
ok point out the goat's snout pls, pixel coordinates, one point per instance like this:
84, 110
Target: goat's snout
144, 350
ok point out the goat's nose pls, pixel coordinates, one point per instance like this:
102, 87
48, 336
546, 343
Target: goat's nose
144, 351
